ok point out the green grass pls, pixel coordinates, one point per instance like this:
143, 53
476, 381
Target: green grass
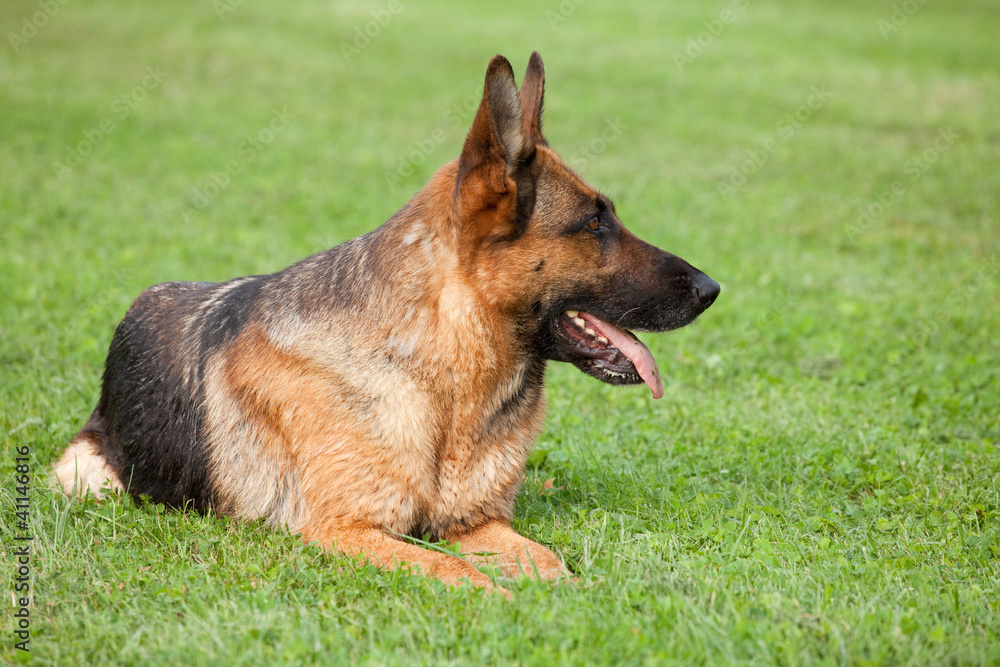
821, 482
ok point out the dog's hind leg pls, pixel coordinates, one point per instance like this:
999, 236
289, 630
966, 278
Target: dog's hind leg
82, 467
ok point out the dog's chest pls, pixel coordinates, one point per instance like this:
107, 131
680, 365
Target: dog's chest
438, 438
480, 465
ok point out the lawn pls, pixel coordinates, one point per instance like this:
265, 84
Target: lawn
820, 483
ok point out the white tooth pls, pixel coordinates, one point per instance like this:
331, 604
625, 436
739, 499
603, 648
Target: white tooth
602, 339
590, 331
573, 313
579, 322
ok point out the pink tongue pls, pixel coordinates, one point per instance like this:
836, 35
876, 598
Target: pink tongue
634, 349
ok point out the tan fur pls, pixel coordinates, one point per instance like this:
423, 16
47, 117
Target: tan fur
433, 459
82, 470
496, 543
424, 460
391, 386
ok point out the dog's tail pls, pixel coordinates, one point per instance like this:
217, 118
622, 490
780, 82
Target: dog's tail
83, 467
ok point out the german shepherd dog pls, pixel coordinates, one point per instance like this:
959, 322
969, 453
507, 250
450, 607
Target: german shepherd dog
392, 386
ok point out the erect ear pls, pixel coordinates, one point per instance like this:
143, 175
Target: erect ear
532, 96
496, 145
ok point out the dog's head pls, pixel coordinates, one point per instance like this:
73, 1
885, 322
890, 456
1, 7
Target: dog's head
549, 251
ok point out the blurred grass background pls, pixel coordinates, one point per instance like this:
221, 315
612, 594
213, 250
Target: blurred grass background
820, 483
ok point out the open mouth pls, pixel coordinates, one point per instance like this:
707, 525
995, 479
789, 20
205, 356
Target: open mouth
610, 353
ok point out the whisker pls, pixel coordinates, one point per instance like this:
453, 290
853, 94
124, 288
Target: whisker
625, 314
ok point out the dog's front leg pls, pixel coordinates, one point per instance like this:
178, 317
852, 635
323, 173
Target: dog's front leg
495, 542
382, 549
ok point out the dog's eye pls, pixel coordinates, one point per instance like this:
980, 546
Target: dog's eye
594, 224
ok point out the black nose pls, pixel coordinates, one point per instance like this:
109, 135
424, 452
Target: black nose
705, 289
